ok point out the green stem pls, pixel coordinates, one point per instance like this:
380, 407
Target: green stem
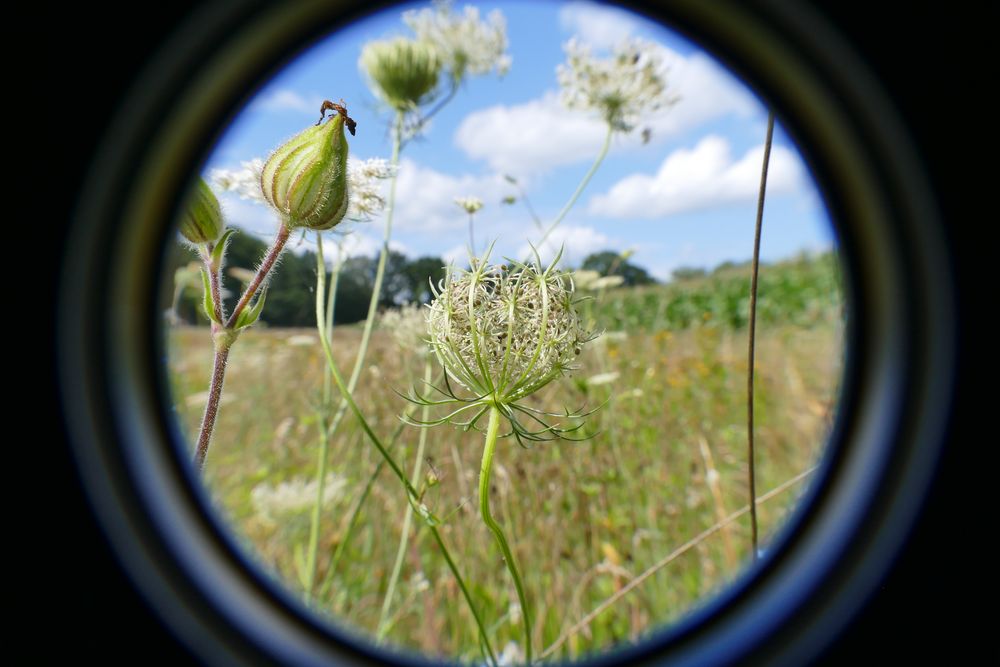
324, 440
411, 491
580, 188
484, 508
359, 360
383, 624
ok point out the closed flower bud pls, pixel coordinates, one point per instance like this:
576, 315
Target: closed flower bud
403, 72
305, 180
201, 221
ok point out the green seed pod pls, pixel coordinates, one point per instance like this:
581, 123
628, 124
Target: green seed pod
305, 180
403, 72
201, 221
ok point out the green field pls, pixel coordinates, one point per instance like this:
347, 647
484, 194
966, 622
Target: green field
667, 460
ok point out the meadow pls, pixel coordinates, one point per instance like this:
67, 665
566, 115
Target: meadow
665, 461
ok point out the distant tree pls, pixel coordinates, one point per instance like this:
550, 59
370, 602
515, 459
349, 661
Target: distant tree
611, 263
419, 273
688, 273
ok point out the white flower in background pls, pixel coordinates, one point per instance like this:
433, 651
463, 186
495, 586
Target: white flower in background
245, 182
363, 176
622, 88
466, 44
469, 204
294, 496
408, 326
602, 378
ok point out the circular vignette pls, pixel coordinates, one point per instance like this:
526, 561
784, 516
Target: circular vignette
785, 610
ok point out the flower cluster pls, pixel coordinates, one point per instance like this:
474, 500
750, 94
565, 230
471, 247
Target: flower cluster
295, 495
621, 88
408, 327
465, 44
363, 182
505, 331
469, 204
245, 182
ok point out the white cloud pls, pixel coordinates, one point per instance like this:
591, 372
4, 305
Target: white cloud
286, 99
702, 177
249, 216
425, 198
540, 134
597, 24
529, 138
576, 241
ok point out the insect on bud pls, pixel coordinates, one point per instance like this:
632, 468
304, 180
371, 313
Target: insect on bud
403, 72
201, 221
305, 180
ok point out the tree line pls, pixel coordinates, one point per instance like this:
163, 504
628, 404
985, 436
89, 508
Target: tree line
291, 300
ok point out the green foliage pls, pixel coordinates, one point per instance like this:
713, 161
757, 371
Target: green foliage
688, 273
805, 291
610, 263
291, 289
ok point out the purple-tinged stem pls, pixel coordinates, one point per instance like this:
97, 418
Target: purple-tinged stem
265, 267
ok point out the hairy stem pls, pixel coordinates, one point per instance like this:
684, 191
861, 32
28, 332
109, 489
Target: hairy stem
265, 267
397, 567
580, 188
221, 344
212, 406
484, 508
755, 265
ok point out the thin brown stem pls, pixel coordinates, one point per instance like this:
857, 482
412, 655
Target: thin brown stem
265, 268
755, 266
212, 406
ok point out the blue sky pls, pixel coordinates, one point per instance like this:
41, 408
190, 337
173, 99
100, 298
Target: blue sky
687, 198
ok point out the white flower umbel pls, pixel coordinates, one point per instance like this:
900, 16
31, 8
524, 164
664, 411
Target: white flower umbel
469, 204
364, 183
294, 496
245, 182
408, 327
621, 88
465, 44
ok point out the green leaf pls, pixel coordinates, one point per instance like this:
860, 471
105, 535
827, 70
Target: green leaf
220, 246
251, 314
207, 302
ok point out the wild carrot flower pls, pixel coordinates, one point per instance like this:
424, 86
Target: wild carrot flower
408, 327
363, 182
504, 332
245, 181
469, 204
466, 44
621, 88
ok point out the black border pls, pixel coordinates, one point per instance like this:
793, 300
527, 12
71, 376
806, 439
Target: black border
97, 98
